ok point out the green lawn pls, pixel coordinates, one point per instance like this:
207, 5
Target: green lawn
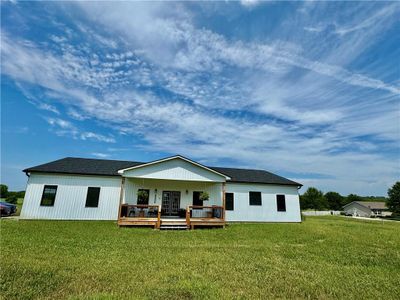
324, 257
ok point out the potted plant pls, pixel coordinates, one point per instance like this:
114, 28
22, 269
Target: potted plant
142, 198
204, 196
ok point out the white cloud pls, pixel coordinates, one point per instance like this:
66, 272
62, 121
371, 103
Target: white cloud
226, 99
95, 136
48, 107
100, 155
60, 123
313, 28
65, 128
250, 3
371, 20
73, 113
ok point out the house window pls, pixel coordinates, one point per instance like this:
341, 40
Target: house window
143, 196
49, 195
92, 197
229, 201
281, 202
196, 199
255, 198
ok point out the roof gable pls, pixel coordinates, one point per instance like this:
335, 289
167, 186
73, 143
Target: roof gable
174, 168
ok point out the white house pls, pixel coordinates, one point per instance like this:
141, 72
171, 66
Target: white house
168, 191
366, 209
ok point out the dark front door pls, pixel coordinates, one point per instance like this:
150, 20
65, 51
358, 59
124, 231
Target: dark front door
171, 201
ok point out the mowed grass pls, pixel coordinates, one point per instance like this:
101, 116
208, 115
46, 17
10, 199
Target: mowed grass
323, 257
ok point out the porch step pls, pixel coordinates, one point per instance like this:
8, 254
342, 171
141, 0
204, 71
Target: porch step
174, 227
173, 224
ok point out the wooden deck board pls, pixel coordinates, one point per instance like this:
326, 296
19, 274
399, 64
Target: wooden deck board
137, 222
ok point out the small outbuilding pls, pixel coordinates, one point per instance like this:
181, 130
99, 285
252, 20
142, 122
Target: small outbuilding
366, 209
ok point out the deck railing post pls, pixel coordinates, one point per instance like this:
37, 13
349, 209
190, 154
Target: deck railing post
188, 215
223, 201
159, 217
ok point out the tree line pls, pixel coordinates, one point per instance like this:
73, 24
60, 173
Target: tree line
9, 196
316, 199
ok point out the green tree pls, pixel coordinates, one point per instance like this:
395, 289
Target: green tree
352, 197
334, 200
313, 198
3, 191
12, 199
20, 194
393, 202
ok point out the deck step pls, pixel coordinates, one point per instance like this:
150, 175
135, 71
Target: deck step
174, 227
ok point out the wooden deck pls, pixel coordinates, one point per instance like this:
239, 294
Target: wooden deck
139, 215
204, 222
138, 222
150, 215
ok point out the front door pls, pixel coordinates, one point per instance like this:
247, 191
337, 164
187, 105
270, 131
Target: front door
171, 201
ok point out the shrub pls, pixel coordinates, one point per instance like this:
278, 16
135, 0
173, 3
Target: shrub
12, 199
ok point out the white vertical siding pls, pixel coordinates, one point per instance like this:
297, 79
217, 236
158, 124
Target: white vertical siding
176, 169
71, 197
132, 186
268, 211
72, 190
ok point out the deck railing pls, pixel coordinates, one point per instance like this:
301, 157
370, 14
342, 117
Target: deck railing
196, 213
141, 212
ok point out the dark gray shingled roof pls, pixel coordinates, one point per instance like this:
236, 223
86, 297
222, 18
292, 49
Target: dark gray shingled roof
89, 166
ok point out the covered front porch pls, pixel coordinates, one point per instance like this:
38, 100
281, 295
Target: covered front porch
149, 215
168, 195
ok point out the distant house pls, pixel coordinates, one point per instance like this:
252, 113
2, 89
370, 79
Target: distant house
170, 191
366, 209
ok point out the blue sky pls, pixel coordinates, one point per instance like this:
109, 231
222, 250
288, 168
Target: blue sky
309, 90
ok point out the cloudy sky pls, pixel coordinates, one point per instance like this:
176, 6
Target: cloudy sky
307, 90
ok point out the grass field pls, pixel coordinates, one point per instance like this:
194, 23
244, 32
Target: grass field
324, 257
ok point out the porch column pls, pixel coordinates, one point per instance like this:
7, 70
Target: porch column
121, 196
223, 199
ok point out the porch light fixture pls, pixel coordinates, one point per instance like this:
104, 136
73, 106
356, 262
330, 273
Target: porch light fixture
187, 192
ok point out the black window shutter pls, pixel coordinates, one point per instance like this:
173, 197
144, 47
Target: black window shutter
92, 197
255, 198
281, 202
229, 201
